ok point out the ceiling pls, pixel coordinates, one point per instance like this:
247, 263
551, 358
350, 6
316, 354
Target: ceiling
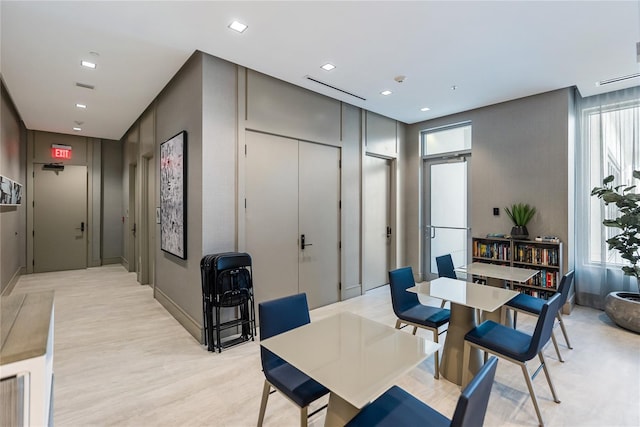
490, 51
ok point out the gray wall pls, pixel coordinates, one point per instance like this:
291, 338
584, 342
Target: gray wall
12, 219
178, 108
111, 197
520, 154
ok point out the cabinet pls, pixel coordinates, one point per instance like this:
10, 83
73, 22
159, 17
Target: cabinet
543, 256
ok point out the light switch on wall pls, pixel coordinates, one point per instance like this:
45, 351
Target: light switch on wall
496, 211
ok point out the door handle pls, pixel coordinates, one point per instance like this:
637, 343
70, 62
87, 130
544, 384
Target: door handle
134, 229
81, 228
388, 232
302, 242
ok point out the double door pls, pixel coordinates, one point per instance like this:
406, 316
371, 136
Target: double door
292, 218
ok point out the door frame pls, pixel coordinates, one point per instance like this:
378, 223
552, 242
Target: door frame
393, 213
425, 229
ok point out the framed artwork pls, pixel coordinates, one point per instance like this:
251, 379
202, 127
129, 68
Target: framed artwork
173, 195
10, 192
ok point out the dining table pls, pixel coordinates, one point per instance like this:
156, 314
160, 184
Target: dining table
465, 298
356, 358
500, 276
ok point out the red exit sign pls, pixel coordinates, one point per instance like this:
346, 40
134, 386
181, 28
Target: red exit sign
61, 151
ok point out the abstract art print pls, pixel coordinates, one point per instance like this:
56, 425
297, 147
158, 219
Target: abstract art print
10, 192
173, 196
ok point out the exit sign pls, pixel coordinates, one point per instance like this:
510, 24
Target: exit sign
61, 151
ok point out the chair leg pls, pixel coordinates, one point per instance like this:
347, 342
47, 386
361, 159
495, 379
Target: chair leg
263, 404
398, 323
564, 331
303, 416
443, 303
415, 329
532, 393
546, 373
555, 344
436, 356
515, 318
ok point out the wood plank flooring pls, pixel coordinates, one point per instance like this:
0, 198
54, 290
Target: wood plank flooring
121, 359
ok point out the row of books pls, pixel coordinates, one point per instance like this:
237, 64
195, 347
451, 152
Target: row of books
536, 255
534, 292
497, 250
546, 279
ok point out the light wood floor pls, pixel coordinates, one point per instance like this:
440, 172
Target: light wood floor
121, 359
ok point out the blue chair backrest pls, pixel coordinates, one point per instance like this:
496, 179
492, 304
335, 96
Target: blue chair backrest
565, 285
473, 401
544, 327
399, 281
445, 266
278, 316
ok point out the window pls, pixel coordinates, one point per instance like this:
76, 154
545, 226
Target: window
611, 132
446, 139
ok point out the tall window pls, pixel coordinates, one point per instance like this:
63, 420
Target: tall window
607, 143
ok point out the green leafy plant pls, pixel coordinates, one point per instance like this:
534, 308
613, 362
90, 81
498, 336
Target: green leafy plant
627, 242
520, 213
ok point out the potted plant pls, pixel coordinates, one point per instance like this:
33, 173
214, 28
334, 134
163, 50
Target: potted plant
520, 214
623, 307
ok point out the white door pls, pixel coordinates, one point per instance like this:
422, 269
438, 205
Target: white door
319, 219
447, 230
59, 219
377, 221
292, 188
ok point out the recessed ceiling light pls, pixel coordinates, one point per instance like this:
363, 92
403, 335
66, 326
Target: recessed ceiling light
88, 64
425, 109
77, 129
454, 87
328, 67
81, 106
238, 26
385, 92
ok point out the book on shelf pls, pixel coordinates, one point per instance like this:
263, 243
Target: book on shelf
547, 239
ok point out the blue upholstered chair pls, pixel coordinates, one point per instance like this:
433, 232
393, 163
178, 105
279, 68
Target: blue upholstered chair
397, 408
410, 311
532, 305
445, 266
278, 316
515, 346
445, 269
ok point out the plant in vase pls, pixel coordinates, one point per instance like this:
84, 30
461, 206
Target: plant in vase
520, 214
623, 307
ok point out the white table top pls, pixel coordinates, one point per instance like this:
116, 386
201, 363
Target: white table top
356, 358
487, 298
504, 272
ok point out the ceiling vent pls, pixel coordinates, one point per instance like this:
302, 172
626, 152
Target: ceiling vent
333, 87
85, 86
618, 79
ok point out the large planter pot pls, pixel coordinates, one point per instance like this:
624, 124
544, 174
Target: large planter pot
624, 309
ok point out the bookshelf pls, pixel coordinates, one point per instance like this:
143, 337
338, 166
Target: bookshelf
543, 256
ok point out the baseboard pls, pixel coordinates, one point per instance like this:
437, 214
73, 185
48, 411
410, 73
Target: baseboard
116, 260
124, 263
188, 322
14, 280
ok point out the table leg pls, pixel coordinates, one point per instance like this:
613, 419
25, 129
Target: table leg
502, 316
339, 411
462, 320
